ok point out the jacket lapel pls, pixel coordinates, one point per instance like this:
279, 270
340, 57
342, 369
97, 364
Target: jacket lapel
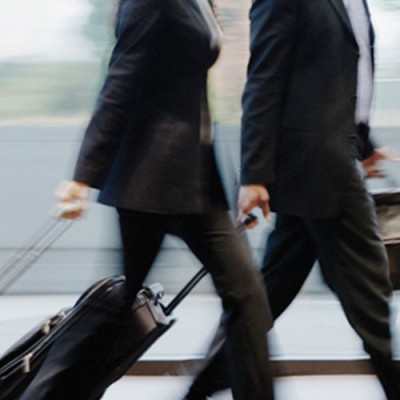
371, 28
343, 16
340, 9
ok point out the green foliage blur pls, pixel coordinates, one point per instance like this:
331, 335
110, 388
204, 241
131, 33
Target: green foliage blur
62, 91
58, 92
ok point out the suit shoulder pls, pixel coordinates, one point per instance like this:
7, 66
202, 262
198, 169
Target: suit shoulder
142, 6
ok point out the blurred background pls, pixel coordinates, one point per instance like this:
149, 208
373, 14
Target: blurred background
53, 58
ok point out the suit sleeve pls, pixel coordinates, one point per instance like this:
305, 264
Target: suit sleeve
272, 36
369, 148
139, 23
365, 145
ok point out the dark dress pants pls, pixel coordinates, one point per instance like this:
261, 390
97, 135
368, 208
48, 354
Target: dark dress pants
353, 261
215, 241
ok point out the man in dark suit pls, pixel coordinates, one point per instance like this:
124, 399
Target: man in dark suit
305, 131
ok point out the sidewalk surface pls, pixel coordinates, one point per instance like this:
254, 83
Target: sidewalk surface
313, 329
349, 387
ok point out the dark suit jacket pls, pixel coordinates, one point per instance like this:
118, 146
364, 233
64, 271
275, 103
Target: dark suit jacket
142, 147
298, 128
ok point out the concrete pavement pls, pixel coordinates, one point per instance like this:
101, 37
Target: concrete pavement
313, 329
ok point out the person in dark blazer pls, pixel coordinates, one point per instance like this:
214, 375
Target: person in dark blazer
148, 148
305, 130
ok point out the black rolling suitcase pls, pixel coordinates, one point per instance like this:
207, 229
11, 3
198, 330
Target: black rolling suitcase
95, 337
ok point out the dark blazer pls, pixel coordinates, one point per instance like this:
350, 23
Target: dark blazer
143, 145
298, 128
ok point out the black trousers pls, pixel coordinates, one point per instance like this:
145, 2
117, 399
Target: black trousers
353, 261
214, 239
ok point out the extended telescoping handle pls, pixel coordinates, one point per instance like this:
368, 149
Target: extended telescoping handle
42, 240
200, 274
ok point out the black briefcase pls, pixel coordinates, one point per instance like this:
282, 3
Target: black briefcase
94, 336
387, 204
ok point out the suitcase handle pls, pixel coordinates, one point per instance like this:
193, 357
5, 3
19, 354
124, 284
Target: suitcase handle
40, 242
31, 252
63, 208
